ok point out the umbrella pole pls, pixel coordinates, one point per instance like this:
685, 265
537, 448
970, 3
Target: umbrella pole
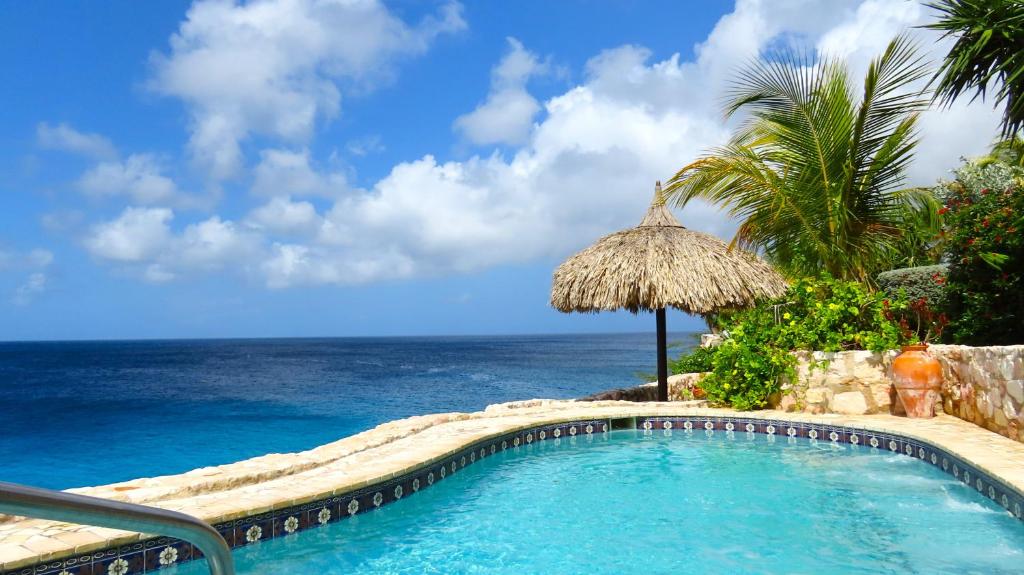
662, 357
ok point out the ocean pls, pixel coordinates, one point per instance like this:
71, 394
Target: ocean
74, 414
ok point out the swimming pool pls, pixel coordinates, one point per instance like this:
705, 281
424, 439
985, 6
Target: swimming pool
660, 501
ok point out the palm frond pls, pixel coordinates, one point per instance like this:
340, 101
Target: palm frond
988, 54
813, 174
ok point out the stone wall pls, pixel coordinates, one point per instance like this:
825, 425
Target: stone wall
849, 382
984, 385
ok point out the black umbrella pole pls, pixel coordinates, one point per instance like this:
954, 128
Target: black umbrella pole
662, 357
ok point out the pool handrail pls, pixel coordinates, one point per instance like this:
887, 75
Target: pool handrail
38, 503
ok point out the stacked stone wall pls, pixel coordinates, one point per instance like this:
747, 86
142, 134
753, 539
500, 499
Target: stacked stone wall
983, 385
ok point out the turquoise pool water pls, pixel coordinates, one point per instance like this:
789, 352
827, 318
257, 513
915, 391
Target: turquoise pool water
667, 502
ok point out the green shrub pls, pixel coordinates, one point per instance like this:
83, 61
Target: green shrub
984, 239
698, 360
923, 282
815, 314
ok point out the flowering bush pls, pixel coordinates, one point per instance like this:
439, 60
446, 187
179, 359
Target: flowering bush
928, 282
924, 288
815, 314
984, 239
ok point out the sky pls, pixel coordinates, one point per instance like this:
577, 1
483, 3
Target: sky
289, 168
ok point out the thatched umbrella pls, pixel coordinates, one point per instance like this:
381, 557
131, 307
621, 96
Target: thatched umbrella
661, 264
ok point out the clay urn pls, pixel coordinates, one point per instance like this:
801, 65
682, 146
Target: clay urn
917, 376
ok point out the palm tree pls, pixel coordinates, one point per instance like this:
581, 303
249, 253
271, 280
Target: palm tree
1009, 151
814, 176
988, 53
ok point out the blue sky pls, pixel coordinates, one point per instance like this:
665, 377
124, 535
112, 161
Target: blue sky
299, 168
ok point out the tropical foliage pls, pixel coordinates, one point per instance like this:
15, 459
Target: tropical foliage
816, 314
1009, 151
697, 360
922, 282
815, 174
984, 240
987, 54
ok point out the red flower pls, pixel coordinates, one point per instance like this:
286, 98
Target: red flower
984, 191
943, 211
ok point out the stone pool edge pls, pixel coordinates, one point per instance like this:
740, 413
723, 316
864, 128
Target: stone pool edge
39, 547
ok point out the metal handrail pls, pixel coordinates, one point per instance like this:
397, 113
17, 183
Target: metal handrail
40, 503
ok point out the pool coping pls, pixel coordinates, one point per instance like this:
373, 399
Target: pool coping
380, 466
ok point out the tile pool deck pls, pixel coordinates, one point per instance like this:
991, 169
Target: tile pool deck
396, 454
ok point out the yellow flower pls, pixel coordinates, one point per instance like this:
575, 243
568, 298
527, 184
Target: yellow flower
833, 306
786, 315
809, 289
817, 304
792, 323
726, 386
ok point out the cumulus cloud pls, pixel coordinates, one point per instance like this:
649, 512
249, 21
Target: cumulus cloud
65, 138
507, 114
139, 177
864, 34
136, 235
584, 165
142, 239
283, 216
273, 67
288, 172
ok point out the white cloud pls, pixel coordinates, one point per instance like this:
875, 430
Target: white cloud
972, 127
139, 177
142, 240
211, 245
272, 67
507, 115
65, 138
585, 168
136, 235
290, 173
283, 216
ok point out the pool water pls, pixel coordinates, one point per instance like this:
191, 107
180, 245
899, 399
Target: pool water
667, 501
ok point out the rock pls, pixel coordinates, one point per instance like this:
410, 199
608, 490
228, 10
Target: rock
710, 339
818, 395
1015, 389
1000, 419
787, 403
881, 395
850, 403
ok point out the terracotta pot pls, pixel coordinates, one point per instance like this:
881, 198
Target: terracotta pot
917, 377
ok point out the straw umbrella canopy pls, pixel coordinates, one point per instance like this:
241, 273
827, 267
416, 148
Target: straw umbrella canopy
661, 264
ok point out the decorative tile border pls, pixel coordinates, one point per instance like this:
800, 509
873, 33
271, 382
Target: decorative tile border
158, 553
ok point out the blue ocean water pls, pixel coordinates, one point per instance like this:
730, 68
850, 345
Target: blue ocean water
668, 502
86, 413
